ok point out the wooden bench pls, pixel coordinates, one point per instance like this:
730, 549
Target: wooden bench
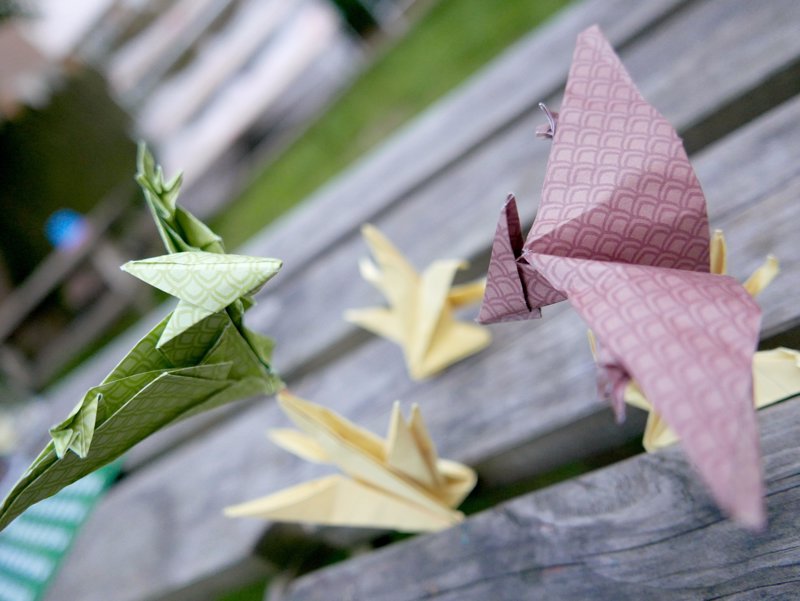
435, 190
642, 529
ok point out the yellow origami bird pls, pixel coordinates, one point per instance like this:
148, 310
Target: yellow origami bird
776, 373
420, 314
399, 483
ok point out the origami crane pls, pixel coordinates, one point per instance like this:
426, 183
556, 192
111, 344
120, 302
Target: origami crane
622, 232
776, 373
199, 357
420, 314
399, 483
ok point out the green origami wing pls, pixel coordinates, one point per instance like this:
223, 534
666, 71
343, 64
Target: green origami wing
204, 282
199, 357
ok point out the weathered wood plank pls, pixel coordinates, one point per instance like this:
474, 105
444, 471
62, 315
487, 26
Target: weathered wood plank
449, 216
644, 528
483, 410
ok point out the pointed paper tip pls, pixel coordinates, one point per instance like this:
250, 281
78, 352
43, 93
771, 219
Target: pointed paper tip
291, 403
373, 236
752, 518
370, 232
595, 28
144, 160
418, 373
284, 395
60, 446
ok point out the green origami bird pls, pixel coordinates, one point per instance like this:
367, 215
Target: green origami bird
199, 357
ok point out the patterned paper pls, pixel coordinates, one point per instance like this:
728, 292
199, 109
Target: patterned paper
776, 373
199, 357
622, 232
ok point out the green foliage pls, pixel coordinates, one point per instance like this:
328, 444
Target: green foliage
451, 42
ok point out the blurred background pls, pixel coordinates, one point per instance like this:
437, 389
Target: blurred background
258, 102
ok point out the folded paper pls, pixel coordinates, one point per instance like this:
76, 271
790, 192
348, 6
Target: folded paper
397, 483
776, 373
776, 377
420, 314
199, 357
622, 232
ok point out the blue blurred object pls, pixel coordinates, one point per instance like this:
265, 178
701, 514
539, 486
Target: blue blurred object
66, 229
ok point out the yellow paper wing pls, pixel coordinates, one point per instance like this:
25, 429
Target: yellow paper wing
419, 317
357, 452
299, 444
718, 254
762, 276
380, 321
453, 341
339, 501
431, 304
395, 277
439, 340
776, 375
405, 454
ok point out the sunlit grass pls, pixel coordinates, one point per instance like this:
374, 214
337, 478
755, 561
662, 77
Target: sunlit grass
451, 42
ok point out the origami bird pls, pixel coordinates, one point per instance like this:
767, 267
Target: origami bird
399, 483
420, 314
776, 372
622, 233
199, 357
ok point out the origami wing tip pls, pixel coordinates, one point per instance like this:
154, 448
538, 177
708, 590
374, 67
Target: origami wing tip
375, 239
339, 501
504, 297
752, 515
591, 30
406, 453
208, 280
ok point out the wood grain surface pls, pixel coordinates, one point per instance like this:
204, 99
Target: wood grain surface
641, 529
161, 532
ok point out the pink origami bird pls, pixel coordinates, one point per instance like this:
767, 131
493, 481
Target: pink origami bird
622, 233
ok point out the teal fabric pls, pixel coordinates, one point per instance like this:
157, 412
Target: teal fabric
34, 545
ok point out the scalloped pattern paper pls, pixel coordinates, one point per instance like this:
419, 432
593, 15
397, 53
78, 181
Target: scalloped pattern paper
622, 232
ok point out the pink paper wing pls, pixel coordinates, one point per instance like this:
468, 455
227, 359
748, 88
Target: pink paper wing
688, 339
505, 298
618, 186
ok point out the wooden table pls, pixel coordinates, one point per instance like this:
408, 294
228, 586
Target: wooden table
725, 72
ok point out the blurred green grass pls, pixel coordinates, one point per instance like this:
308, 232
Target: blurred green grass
447, 45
